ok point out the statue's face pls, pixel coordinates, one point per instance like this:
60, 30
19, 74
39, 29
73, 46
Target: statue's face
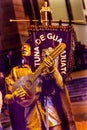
26, 50
45, 3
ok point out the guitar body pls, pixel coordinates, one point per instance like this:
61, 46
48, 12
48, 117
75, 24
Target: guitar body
29, 83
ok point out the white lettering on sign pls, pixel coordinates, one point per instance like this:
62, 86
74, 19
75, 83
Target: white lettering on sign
36, 56
63, 62
49, 36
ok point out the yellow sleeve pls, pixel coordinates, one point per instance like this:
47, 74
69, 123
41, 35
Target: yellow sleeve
10, 79
58, 78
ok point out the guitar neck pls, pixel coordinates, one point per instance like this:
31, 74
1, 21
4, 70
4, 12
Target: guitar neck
60, 48
54, 54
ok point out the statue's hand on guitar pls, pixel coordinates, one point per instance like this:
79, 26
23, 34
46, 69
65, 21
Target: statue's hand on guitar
48, 62
20, 94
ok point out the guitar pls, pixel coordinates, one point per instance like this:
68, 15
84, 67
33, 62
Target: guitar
29, 82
